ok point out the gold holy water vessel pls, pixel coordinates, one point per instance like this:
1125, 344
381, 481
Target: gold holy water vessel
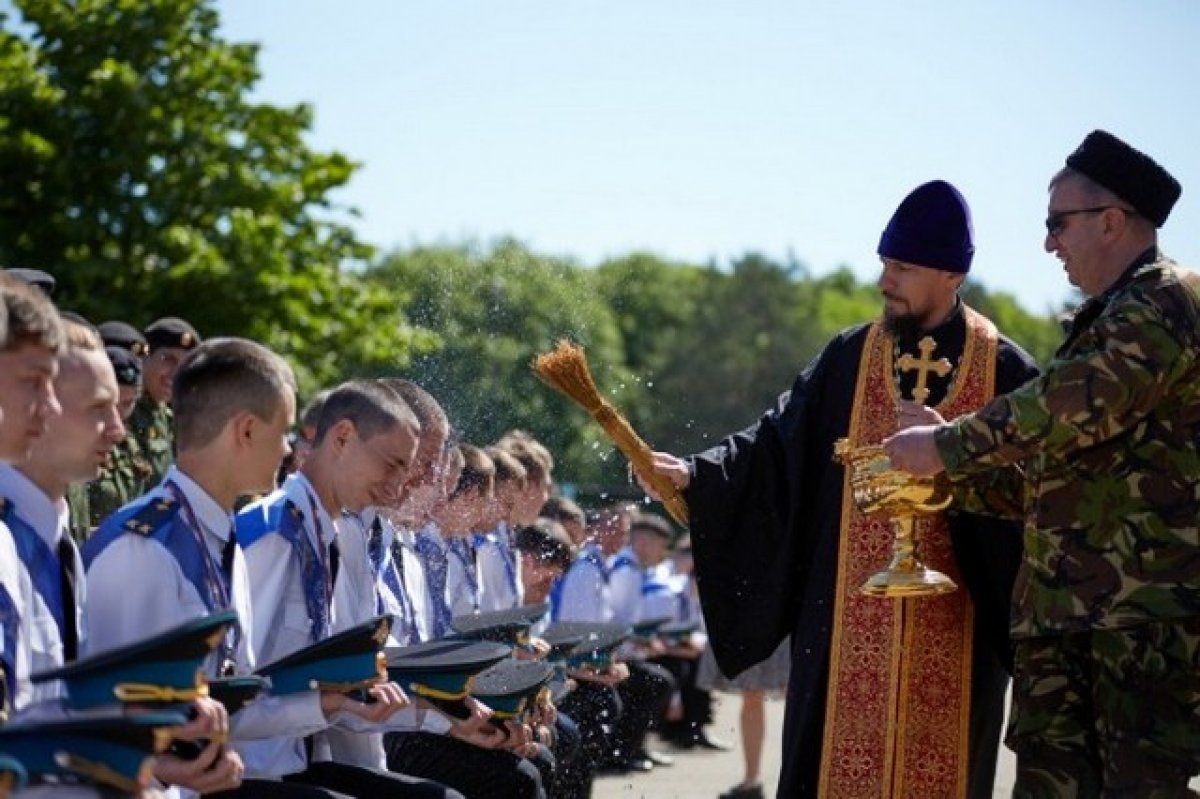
878, 488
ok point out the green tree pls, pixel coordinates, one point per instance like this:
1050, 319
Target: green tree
749, 331
494, 310
138, 171
1038, 335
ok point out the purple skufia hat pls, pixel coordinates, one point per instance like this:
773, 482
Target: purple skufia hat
931, 228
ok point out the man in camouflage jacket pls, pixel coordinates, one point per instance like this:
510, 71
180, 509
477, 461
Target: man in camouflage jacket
1106, 609
170, 340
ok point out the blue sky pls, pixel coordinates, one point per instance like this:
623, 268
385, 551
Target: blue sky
702, 129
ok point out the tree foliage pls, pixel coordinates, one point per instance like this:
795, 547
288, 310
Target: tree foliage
493, 312
138, 170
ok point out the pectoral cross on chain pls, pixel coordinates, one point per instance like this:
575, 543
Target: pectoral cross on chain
923, 366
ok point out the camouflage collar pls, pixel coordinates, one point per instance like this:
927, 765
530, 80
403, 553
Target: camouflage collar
1147, 258
1092, 309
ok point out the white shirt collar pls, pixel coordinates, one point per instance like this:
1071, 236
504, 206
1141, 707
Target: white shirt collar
302, 494
48, 517
208, 513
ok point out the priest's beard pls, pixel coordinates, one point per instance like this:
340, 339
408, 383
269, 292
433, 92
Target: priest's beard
902, 326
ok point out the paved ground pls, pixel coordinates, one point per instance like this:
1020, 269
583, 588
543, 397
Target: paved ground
702, 775
705, 776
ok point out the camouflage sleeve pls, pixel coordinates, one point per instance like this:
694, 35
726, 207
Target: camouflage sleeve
996, 492
1100, 391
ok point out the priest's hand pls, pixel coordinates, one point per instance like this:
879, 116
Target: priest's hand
914, 451
914, 414
671, 467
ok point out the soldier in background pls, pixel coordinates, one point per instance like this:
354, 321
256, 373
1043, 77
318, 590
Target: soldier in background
170, 339
1106, 607
124, 476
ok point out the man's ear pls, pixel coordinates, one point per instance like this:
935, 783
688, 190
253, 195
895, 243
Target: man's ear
243, 424
1115, 222
341, 433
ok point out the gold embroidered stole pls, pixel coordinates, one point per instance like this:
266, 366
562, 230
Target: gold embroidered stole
898, 702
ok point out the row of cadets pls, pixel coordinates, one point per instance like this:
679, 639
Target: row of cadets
233, 401
42, 581
475, 757
632, 578
527, 466
583, 595
364, 444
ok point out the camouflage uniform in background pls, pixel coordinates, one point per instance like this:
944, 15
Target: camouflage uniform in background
122, 479
151, 424
79, 512
1107, 602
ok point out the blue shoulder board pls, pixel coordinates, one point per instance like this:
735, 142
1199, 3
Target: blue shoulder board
624, 560
146, 517
272, 514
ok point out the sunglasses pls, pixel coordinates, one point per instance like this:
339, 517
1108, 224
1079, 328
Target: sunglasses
1056, 221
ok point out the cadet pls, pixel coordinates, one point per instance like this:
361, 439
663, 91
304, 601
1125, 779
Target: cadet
124, 474
1106, 608
170, 339
32, 494
633, 580
363, 450
30, 337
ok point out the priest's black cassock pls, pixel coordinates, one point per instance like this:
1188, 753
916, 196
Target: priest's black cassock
766, 514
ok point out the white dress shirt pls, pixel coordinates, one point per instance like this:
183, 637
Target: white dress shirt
39, 643
14, 643
122, 610
282, 623
584, 594
499, 571
464, 594
625, 578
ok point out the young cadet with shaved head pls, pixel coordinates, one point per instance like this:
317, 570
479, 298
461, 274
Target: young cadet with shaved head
234, 402
364, 447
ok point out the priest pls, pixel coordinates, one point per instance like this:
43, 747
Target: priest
888, 697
